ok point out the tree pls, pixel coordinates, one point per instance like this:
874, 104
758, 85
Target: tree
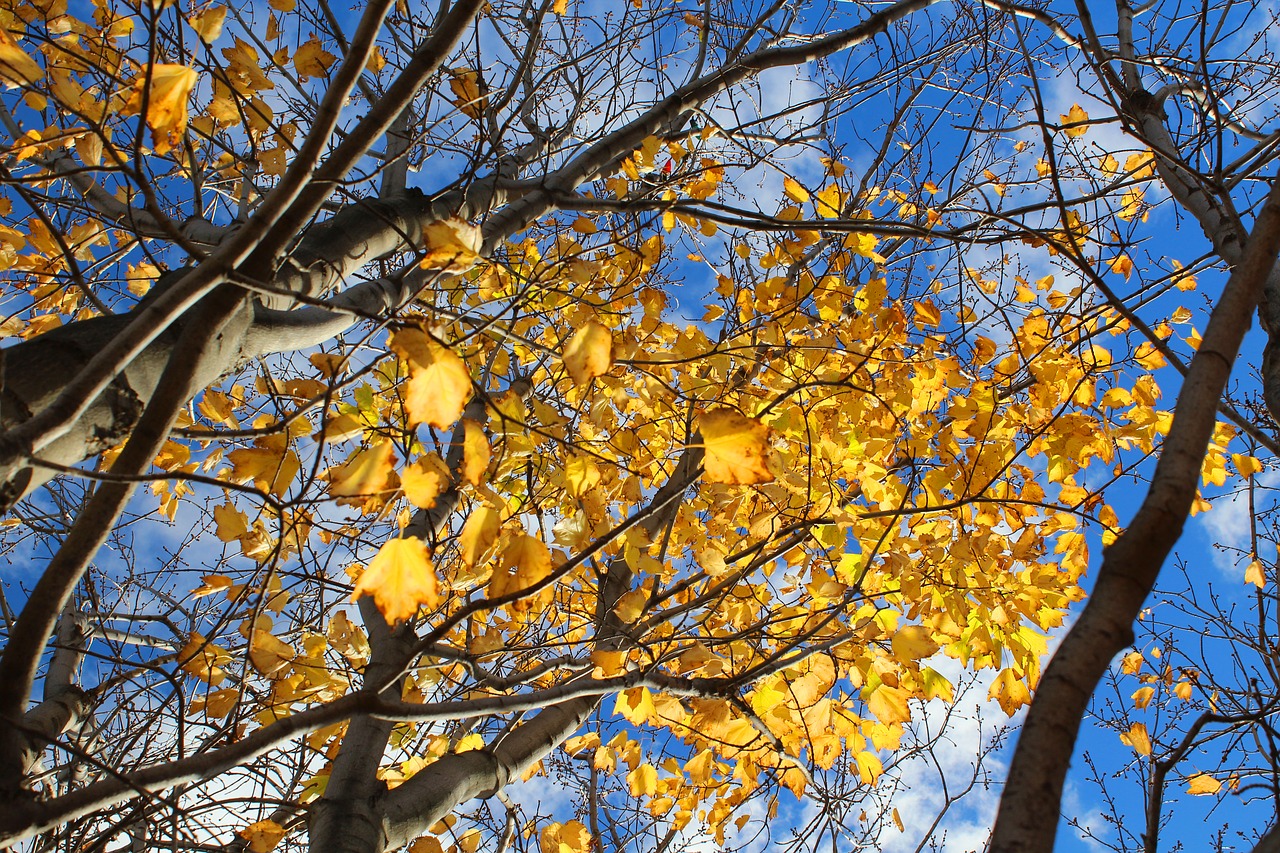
447, 485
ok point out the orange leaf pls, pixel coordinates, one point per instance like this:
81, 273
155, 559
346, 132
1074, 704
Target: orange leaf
400, 578
589, 353
735, 448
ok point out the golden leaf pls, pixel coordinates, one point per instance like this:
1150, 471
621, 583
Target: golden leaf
167, 88
475, 452
366, 472
792, 189
525, 563
1202, 783
589, 353
208, 23
735, 448
230, 523
468, 91
400, 578
1137, 738
1076, 116
913, 642
203, 659
262, 836
312, 60
889, 704
643, 781
439, 381
1010, 691
479, 532
424, 480
450, 245
581, 475
17, 68
269, 655
1255, 575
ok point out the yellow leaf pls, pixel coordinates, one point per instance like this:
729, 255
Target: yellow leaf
1137, 738
643, 781
479, 532
262, 836
208, 23
630, 606
1255, 575
269, 655
204, 660
589, 353
526, 562
1183, 690
1075, 116
312, 60
889, 704
230, 523
17, 68
791, 187
1131, 663
913, 642
636, 706
167, 88
424, 480
1010, 691
366, 472
439, 381
1203, 783
468, 91
218, 703
475, 452
400, 578
735, 448
1245, 464
1142, 696
581, 475
869, 767
583, 225
450, 245
864, 245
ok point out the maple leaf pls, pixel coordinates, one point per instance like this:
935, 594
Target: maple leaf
1137, 738
366, 472
425, 480
450, 245
792, 189
736, 448
400, 578
166, 88
589, 353
525, 563
475, 452
1074, 121
1202, 784
208, 23
468, 90
478, 533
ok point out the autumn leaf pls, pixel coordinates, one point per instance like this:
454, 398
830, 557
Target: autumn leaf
736, 447
478, 533
439, 381
425, 480
475, 452
230, 523
792, 189
589, 353
17, 68
525, 563
1075, 116
312, 60
643, 781
1202, 784
1137, 738
263, 836
366, 472
208, 23
166, 88
913, 642
889, 704
1255, 574
400, 578
450, 245
269, 655
468, 92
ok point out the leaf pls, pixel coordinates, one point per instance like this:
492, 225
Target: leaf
262, 836
1137, 738
366, 472
425, 480
1255, 574
1075, 116
269, 655
230, 523
736, 446
450, 245
17, 68
913, 642
478, 533
468, 91
526, 562
312, 60
400, 578
208, 23
589, 353
203, 659
166, 88
643, 781
439, 381
1010, 691
794, 191
581, 475
1202, 784
475, 452
889, 704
